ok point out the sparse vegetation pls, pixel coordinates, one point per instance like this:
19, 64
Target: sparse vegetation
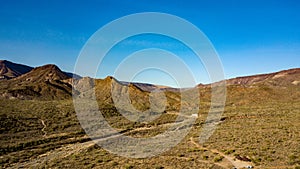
218, 158
260, 125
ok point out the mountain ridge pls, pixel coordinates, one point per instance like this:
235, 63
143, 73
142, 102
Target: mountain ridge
62, 75
43, 73
49, 82
43, 82
9, 70
248, 80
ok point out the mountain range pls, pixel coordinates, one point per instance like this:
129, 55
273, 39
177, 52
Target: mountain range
50, 82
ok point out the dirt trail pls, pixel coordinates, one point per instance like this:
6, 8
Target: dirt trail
76, 148
54, 154
43, 129
235, 162
178, 114
202, 161
68, 150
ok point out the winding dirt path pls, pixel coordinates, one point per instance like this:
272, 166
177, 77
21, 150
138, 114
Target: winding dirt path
70, 149
235, 162
43, 129
78, 147
61, 152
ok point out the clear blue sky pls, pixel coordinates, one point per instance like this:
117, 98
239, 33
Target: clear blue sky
250, 36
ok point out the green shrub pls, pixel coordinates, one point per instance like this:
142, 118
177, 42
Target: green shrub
218, 158
205, 157
128, 166
159, 167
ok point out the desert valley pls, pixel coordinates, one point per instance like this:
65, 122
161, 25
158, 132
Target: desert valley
39, 127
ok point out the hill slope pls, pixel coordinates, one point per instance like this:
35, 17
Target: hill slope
45, 82
9, 70
49, 82
285, 77
48, 72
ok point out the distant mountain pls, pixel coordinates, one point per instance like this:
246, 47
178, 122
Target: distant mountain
9, 70
49, 82
281, 78
285, 77
44, 73
44, 82
48, 72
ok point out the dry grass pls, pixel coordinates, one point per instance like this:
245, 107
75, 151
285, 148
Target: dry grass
260, 123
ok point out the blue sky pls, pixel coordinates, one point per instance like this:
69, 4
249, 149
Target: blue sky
250, 36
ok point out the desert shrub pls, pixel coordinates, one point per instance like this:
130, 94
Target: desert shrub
229, 152
205, 157
194, 150
218, 158
128, 166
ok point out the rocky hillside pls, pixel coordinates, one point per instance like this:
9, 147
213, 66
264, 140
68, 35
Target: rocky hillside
9, 70
45, 82
285, 77
109, 91
49, 82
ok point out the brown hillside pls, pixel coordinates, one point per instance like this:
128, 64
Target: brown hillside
9, 70
44, 73
279, 78
45, 82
